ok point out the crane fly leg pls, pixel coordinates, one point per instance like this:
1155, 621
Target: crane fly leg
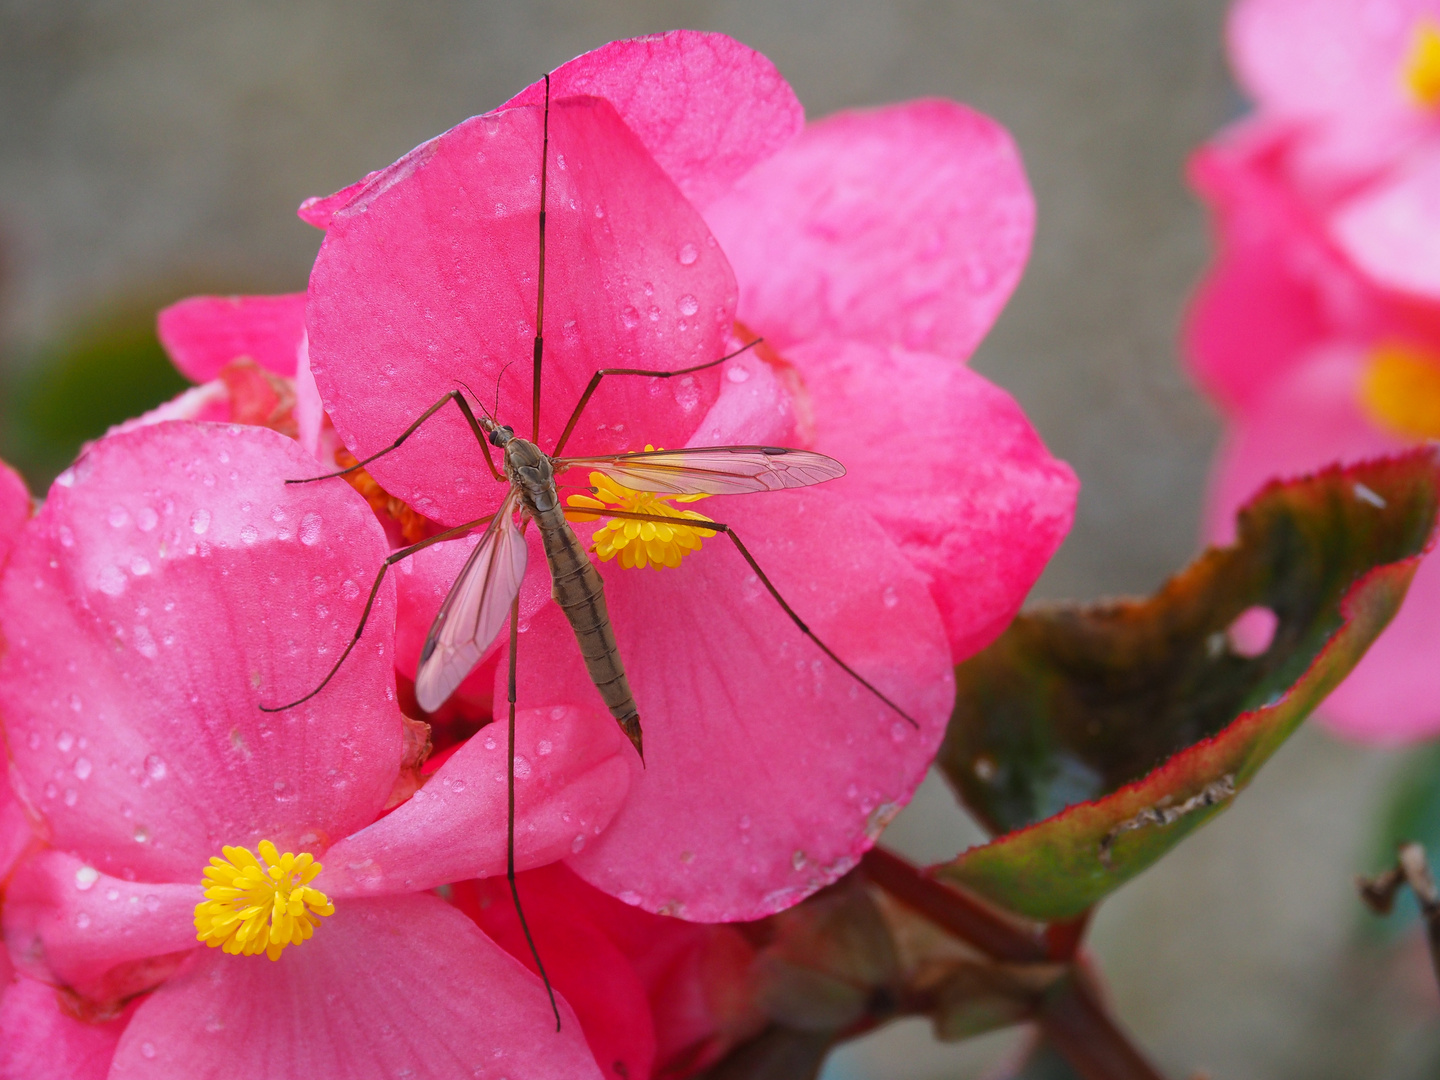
594, 385
394, 557
459, 400
510, 815
720, 527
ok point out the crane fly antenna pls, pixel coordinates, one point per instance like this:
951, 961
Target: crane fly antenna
540, 277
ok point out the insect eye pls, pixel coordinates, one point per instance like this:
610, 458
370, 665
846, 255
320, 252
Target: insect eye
501, 435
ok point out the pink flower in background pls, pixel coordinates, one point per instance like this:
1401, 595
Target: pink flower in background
171, 584
1318, 329
769, 770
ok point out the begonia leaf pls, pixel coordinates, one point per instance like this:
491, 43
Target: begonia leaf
1096, 738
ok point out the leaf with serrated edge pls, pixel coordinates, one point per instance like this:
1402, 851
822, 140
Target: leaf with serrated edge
1144, 717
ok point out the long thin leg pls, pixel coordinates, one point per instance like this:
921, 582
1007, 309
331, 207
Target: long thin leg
510, 818
719, 527
540, 290
595, 383
459, 400
394, 557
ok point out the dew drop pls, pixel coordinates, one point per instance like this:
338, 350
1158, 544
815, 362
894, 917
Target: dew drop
139, 566
118, 517
688, 305
630, 317
489, 743
889, 596
111, 581
71, 796
798, 860
249, 534
82, 768
688, 254
64, 741
200, 521
310, 530
147, 1050
82, 920
457, 786
152, 903
578, 844
631, 898
522, 768
738, 374
155, 767
543, 747
141, 834
85, 877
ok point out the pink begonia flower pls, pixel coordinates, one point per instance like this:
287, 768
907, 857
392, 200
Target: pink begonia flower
769, 771
1316, 351
171, 584
39, 1040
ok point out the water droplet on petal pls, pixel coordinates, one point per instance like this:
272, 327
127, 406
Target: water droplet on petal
147, 1050
118, 517
200, 521
82, 920
141, 834
688, 305
155, 767
688, 254
64, 741
85, 877
310, 530
249, 534
82, 768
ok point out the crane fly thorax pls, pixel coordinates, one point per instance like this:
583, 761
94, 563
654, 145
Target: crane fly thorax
529, 469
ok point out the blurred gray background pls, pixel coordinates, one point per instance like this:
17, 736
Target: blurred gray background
153, 149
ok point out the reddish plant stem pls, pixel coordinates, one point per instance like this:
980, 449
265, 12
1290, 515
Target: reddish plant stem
995, 933
1082, 1029
1070, 1013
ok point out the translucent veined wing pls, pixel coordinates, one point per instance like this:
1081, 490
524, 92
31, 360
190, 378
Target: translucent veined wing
713, 470
474, 611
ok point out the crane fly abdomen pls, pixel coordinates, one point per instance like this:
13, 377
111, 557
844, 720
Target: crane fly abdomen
575, 584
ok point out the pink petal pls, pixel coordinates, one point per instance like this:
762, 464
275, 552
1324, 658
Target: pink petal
950, 467
67, 923
706, 107
1389, 230
570, 777
1310, 420
1340, 57
14, 508
906, 225
428, 281
768, 769
386, 987
582, 963
39, 1041
754, 407
209, 402
171, 584
16, 832
204, 333
309, 410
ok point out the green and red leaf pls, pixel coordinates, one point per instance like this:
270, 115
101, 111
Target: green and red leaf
1096, 738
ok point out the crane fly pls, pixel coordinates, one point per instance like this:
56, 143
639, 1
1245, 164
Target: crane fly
486, 591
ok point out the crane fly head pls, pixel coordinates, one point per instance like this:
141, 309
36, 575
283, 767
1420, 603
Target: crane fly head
498, 434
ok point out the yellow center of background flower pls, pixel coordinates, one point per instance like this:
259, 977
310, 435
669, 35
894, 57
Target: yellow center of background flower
1422, 64
638, 543
1400, 390
254, 905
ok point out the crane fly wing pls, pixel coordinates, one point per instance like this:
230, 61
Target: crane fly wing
474, 611
714, 470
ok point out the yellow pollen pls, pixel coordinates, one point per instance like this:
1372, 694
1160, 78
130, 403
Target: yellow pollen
260, 905
638, 543
1422, 64
1400, 389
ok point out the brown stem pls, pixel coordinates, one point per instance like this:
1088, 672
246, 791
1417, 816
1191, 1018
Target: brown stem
1413, 869
994, 932
1081, 1028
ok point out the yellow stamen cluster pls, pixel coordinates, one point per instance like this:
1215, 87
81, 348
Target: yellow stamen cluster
1422, 64
260, 905
638, 543
1400, 389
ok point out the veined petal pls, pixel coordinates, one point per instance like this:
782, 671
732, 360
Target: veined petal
171, 585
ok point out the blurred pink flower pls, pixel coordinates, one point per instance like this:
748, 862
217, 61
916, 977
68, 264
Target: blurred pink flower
873, 250
172, 583
1317, 330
